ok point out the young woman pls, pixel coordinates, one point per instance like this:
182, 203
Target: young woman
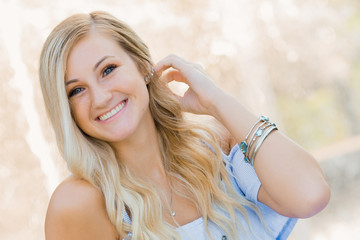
140, 170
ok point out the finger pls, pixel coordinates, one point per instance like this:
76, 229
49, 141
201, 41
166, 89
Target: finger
181, 101
174, 75
183, 104
198, 67
171, 61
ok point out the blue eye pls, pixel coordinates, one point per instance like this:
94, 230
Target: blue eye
75, 91
108, 70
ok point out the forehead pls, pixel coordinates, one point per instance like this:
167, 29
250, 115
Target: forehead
88, 50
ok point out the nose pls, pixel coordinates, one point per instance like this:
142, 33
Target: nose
100, 96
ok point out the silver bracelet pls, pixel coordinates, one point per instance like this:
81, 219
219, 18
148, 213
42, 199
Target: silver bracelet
244, 147
257, 133
260, 141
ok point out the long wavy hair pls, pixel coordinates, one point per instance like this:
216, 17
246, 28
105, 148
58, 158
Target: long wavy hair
190, 151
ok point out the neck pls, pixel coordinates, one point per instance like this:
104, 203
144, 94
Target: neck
141, 153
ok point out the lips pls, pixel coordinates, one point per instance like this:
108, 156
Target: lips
113, 111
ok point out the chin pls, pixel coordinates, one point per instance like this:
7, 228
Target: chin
120, 136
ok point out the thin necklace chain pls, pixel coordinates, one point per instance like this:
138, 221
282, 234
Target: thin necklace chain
172, 213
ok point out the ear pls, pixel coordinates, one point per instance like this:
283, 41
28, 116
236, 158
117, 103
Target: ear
149, 76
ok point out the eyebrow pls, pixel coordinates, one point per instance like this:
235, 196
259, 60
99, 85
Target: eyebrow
70, 82
100, 61
94, 69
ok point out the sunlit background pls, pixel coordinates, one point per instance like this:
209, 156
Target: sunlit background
295, 61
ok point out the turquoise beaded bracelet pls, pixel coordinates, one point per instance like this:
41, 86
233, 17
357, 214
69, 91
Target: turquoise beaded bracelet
262, 129
260, 141
244, 146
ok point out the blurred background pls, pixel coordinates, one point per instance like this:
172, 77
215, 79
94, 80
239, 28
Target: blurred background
295, 61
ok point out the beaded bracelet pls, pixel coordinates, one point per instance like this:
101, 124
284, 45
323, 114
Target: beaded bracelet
263, 129
260, 141
244, 146
257, 133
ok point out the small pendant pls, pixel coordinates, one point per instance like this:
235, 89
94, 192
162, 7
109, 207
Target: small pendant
172, 213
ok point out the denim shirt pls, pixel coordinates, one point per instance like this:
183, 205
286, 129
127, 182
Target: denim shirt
245, 181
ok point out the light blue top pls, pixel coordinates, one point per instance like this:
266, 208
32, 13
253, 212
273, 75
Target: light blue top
246, 182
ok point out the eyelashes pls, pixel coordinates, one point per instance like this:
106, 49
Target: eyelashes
75, 91
108, 69
104, 72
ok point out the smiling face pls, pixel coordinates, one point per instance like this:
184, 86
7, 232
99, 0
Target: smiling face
108, 95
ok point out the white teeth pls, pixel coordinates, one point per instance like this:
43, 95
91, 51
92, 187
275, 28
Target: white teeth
112, 112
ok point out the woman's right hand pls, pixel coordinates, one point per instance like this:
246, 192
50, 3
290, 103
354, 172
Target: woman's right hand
200, 98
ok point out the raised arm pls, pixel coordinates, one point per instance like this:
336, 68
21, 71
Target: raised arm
292, 181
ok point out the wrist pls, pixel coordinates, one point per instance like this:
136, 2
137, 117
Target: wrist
221, 104
232, 115
215, 103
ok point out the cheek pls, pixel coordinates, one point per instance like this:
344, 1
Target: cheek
134, 87
143, 96
79, 114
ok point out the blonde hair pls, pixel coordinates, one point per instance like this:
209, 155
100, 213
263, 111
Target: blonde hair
190, 151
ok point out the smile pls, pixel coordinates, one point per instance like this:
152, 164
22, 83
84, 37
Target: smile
113, 111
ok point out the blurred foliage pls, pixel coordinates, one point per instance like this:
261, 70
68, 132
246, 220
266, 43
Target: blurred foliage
311, 120
313, 64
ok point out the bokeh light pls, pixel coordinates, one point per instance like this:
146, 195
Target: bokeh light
295, 61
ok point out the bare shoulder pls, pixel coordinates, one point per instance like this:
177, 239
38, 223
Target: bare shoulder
77, 211
75, 193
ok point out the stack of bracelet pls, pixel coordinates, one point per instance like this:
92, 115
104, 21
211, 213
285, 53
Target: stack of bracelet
259, 131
